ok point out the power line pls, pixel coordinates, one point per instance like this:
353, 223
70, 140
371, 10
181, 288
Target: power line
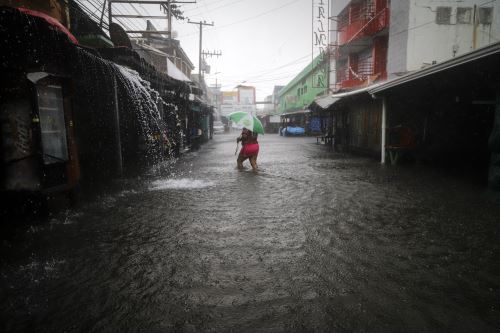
253, 17
259, 15
215, 28
276, 76
293, 62
196, 8
120, 10
487, 2
216, 8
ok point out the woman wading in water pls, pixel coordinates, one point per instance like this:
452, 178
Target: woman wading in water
250, 148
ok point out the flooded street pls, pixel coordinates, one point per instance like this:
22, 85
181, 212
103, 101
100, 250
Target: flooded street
316, 241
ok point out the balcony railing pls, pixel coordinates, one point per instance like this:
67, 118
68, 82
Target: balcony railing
362, 22
348, 77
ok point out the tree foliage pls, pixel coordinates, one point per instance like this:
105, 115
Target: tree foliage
176, 11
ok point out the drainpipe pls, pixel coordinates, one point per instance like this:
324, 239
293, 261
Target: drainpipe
383, 125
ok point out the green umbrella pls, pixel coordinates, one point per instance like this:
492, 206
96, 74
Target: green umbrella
246, 120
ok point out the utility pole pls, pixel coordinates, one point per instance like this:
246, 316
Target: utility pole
201, 39
102, 14
211, 54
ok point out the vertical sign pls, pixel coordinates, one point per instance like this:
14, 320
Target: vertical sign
320, 29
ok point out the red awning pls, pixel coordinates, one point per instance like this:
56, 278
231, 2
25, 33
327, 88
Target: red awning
50, 20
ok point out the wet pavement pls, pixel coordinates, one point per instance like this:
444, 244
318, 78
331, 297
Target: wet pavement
316, 241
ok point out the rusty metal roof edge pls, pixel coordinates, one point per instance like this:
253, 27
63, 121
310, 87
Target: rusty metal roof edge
337, 97
357, 91
465, 58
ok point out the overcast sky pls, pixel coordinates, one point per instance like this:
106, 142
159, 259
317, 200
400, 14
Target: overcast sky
263, 43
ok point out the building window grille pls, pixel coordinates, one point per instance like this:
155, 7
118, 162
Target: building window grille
464, 15
443, 15
485, 15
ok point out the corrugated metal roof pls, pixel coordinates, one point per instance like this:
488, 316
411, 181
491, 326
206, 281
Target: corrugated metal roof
326, 101
175, 72
490, 50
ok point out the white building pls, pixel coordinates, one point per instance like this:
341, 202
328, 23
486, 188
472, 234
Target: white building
241, 99
425, 32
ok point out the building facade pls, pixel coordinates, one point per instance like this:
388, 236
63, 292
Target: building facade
360, 48
376, 40
240, 99
429, 32
301, 91
380, 40
246, 99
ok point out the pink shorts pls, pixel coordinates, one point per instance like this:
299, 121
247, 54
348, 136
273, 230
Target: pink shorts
250, 149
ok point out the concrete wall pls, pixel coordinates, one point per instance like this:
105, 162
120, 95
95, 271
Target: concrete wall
398, 37
429, 41
336, 6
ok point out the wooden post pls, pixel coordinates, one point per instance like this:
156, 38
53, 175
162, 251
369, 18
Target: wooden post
383, 128
494, 146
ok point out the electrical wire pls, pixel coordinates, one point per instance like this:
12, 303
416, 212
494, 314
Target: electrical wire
216, 8
253, 17
211, 3
487, 2
259, 15
291, 63
275, 76
89, 12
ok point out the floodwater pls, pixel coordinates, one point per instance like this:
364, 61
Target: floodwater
317, 241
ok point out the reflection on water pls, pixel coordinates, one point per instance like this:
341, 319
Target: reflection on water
314, 242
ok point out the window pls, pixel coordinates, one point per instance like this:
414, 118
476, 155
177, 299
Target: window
443, 15
305, 89
464, 15
485, 15
52, 125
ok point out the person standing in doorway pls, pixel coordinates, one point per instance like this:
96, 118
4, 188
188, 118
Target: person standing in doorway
250, 148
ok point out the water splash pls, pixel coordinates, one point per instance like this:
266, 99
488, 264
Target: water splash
180, 184
145, 100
